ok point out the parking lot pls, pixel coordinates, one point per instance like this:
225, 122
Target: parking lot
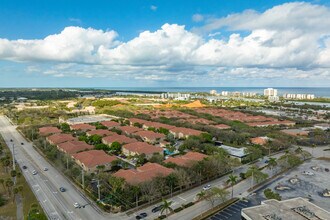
232, 212
308, 183
310, 179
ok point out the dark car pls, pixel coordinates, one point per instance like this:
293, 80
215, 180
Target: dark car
11, 140
62, 189
157, 208
141, 215
22, 143
24, 167
326, 170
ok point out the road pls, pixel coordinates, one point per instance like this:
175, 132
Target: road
190, 195
46, 184
58, 205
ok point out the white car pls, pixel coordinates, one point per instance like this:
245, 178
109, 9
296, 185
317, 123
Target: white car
76, 205
34, 172
45, 169
207, 187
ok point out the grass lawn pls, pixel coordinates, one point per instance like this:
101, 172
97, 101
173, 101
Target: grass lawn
8, 211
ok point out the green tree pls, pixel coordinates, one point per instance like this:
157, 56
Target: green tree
232, 180
272, 163
116, 183
9, 185
255, 174
201, 195
166, 207
269, 194
115, 147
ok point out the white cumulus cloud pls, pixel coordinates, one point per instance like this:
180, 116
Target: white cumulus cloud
293, 38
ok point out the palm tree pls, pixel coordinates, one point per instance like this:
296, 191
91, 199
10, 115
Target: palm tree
272, 163
232, 179
15, 192
166, 207
253, 170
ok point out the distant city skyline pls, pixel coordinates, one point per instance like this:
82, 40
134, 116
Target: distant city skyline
158, 43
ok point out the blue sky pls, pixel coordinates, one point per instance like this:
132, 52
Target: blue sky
120, 54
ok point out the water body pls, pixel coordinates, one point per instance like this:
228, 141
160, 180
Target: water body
317, 91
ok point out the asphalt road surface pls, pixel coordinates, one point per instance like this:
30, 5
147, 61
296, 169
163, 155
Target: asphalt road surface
46, 184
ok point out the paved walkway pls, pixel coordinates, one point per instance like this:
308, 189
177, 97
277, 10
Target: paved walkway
19, 207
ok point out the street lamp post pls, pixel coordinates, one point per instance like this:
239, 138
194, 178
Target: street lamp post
14, 167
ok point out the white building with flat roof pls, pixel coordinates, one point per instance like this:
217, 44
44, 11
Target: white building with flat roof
270, 92
295, 209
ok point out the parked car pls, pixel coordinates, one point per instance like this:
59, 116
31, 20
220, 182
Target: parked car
207, 187
45, 169
157, 208
24, 167
34, 172
76, 205
11, 140
62, 189
22, 143
141, 215
326, 170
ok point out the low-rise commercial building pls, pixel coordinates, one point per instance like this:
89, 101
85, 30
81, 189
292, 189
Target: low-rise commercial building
121, 139
138, 148
90, 160
144, 173
150, 136
82, 127
186, 160
44, 131
239, 153
72, 147
60, 138
183, 133
110, 124
296, 208
100, 132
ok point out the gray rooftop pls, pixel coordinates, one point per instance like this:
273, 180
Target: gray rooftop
90, 119
233, 151
296, 208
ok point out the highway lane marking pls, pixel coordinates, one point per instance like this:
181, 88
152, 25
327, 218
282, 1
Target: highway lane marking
182, 198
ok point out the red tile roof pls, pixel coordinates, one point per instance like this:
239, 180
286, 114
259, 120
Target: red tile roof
60, 138
129, 129
119, 138
94, 158
142, 148
144, 173
49, 130
150, 135
137, 120
110, 124
71, 147
187, 159
259, 140
101, 132
82, 127
158, 125
186, 131
221, 126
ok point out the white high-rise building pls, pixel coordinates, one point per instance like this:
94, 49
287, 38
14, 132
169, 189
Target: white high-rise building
270, 92
213, 92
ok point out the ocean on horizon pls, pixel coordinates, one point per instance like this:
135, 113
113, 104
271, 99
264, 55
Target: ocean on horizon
317, 91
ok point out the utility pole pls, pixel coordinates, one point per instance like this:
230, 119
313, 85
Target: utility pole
82, 179
14, 167
98, 190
